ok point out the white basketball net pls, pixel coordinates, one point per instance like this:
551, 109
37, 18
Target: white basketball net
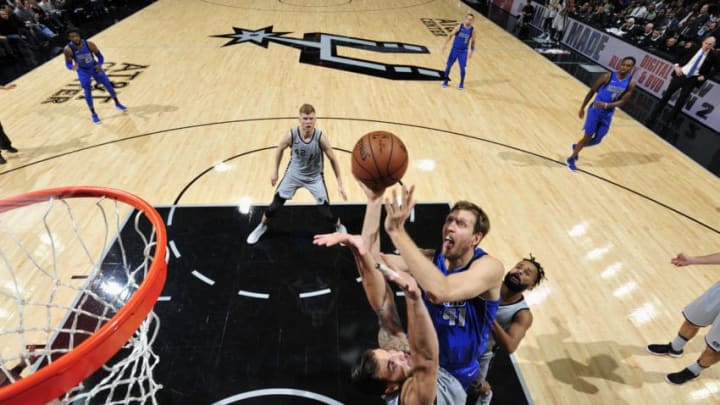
61, 279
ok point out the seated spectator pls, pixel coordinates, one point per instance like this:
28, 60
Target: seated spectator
661, 20
629, 29
640, 11
651, 15
50, 7
608, 6
670, 49
703, 15
600, 17
643, 35
688, 29
12, 30
51, 20
654, 41
584, 12
715, 32
672, 24
27, 16
709, 29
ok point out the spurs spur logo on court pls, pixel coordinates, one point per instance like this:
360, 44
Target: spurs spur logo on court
321, 49
120, 74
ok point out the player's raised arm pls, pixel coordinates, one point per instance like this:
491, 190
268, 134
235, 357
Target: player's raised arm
421, 387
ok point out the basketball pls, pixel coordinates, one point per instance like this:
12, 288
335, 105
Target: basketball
379, 159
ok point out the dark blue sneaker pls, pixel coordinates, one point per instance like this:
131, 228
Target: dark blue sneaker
445, 83
120, 107
570, 163
573, 149
96, 119
461, 86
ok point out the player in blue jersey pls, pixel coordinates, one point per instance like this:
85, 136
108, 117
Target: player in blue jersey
85, 58
398, 370
613, 90
461, 285
464, 37
461, 282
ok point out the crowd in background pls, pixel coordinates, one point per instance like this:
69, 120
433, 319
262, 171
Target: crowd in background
32, 31
661, 27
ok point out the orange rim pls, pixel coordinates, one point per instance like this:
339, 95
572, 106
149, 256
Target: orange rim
61, 375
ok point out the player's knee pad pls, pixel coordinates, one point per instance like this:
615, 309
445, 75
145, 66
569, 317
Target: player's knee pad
275, 205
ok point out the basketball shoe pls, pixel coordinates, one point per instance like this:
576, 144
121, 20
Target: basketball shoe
570, 163
256, 234
681, 377
664, 350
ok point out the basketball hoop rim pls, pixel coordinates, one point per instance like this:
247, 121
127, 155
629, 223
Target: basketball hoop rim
73, 367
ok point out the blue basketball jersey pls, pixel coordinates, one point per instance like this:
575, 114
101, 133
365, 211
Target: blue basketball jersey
462, 38
83, 57
613, 89
462, 327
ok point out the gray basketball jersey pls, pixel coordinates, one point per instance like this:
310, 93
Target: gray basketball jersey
306, 159
504, 316
449, 391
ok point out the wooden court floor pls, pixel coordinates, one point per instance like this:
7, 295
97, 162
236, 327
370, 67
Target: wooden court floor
202, 120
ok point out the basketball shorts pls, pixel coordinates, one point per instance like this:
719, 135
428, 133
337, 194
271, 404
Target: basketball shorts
290, 184
704, 311
597, 122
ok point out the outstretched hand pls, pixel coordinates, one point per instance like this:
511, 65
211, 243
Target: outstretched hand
397, 212
336, 238
680, 260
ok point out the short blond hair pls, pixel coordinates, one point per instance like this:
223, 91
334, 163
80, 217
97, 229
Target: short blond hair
307, 109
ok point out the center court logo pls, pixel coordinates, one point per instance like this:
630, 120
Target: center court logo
321, 49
